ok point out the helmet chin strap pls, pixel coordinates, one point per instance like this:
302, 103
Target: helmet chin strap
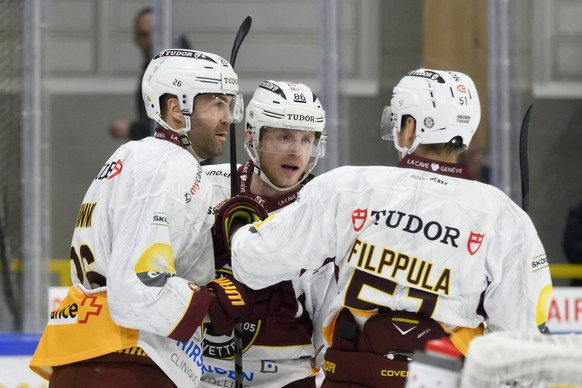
258, 171
265, 178
405, 150
183, 133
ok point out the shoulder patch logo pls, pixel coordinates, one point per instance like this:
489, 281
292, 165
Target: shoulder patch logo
474, 242
359, 217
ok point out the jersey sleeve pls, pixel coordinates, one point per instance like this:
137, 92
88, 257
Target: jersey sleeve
256, 258
517, 262
144, 290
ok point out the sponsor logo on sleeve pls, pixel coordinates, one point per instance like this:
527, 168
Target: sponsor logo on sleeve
110, 170
539, 262
160, 218
156, 265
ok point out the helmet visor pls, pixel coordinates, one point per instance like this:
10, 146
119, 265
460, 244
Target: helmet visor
388, 123
211, 105
286, 156
295, 141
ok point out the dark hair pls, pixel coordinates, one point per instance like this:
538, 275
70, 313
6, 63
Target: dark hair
454, 145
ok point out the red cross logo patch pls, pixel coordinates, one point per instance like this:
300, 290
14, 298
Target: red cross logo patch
92, 304
359, 217
474, 242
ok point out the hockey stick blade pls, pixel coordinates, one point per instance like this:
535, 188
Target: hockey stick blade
243, 30
523, 159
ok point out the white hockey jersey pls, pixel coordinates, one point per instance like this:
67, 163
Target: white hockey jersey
143, 235
274, 353
417, 237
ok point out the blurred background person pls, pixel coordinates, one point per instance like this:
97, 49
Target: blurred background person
141, 126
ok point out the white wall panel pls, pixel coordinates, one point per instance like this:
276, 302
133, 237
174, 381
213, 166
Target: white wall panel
557, 49
92, 41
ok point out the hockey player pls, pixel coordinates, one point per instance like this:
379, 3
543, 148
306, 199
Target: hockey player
285, 136
423, 250
142, 244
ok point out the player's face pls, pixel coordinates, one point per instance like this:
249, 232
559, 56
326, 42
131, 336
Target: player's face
210, 123
284, 154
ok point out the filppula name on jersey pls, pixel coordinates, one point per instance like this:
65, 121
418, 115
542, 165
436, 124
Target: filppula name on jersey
389, 264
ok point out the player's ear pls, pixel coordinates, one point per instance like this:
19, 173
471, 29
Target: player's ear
407, 133
174, 110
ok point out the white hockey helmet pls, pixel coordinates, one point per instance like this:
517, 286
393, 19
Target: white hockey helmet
281, 104
444, 104
186, 74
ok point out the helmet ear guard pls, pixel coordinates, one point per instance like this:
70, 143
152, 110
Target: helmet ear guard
285, 105
444, 104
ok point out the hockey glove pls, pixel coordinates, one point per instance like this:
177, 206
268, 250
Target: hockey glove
230, 216
233, 300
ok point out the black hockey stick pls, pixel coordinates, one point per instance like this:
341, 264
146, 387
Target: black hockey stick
523, 159
237, 338
243, 30
524, 172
